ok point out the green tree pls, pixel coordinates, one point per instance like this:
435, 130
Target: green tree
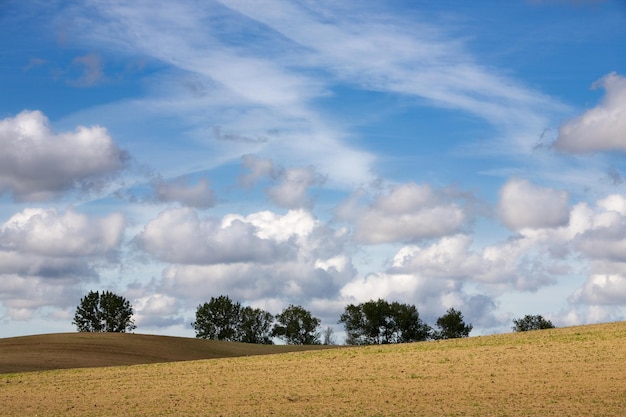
452, 326
297, 326
224, 319
409, 326
531, 323
219, 319
381, 322
256, 326
106, 312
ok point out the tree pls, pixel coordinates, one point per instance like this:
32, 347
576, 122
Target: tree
256, 326
531, 323
329, 336
452, 326
409, 326
224, 319
219, 319
297, 326
381, 322
106, 312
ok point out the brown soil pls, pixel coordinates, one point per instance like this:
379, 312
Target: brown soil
88, 350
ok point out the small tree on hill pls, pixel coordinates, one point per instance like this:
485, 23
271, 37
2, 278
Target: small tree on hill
297, 326
381, 322
452, 326
106, 312
219, 319
329, 336
224, 319
531, 323
256, 326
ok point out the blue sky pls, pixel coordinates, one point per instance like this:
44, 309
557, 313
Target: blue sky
313, 153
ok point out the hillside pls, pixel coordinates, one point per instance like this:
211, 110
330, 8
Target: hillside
575, 371
88, 350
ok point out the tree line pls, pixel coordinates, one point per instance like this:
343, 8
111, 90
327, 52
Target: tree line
221, 318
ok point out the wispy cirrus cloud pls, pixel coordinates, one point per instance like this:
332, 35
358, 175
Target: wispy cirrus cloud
381, 52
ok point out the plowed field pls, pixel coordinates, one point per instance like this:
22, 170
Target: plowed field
577, 371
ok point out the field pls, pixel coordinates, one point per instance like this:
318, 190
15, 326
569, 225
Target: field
89, 350
577, 371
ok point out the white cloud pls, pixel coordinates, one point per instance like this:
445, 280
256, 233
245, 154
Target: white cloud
604, 237
46, 256
407, 212
602, 289
512, 264
268, 90
180, 236
525, 205
23, 295
292, 190
449, 257
259, 169
308, 258
37, 163
178, 190
280, 228
70, 234
387, 286
365, 46
157, 310
296, 281
290, 186
432, 296
614, 202
602, 128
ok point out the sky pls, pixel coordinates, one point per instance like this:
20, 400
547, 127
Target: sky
316, 153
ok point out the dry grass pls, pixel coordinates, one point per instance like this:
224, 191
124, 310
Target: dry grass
578, 371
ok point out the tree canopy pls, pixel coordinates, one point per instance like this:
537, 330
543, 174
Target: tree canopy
256, 326
381, 322
224, 319
452, 326
106, 312
296, 326
530, 322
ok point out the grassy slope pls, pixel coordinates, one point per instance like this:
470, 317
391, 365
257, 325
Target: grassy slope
576, 371
87, 350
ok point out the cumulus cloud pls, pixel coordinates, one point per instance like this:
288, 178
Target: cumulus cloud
157, 310
181, 236
45, 256
604, 237
514, 263
179, 190
407, 212
70, 234
295, 280
602, 128
304, 258
38, 164
432, 296
23, 295
525, 205
290, 186
600, 289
